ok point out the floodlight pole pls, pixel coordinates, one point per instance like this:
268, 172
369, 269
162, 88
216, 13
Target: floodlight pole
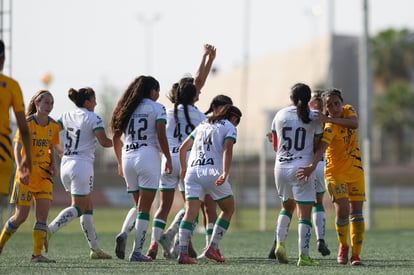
365, 96
148, 23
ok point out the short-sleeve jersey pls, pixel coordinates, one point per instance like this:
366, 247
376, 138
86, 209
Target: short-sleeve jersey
178, 132
10, 97
80, 125
295, 139
208, 146
41, 137
141, 130
343, 158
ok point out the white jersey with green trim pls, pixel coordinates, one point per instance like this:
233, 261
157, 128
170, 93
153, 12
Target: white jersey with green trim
178, 132
208, 146
295, 139
141, 131
79, 126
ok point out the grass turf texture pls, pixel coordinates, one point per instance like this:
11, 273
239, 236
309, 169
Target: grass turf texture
387, 249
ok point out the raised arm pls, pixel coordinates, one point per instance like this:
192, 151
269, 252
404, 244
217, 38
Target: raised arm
204, 68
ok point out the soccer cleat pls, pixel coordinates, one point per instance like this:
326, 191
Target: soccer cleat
99, 254
280, 252
272, 254
165, 242
138, 257
153, 250
305, 260
41, 259
184, 258
323, 248
214, 254
355, 260
342, 255
120, 244
191, 251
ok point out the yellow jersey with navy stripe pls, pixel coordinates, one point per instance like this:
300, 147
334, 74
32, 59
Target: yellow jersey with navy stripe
343, 158
10, 97
42, 139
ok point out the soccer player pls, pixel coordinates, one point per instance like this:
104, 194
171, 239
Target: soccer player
39, 187
141, 121
82, 128
11, 97
344, 175
294, 135
206, 172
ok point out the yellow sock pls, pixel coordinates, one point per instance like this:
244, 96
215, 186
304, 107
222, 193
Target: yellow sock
39, 237
341, 227
8, 230
357, 232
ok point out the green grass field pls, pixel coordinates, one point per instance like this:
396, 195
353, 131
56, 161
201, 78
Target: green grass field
387, 249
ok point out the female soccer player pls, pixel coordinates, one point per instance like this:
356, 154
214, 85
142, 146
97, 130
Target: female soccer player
141, 121
82, 127
344, 175
39, 187
294, 135
206, 172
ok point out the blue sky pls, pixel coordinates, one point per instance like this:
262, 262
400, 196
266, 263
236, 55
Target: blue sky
98, 43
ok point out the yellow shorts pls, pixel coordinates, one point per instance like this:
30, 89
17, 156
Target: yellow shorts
352, 190
23, 196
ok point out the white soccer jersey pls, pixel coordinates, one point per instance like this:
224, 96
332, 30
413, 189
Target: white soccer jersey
141, 130
294, 138
178, 132
79, 126
208, 146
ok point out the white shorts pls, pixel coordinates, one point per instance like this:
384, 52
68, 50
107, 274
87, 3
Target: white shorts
77, 175
197, 185
142, 171
320, 178
289, 187
170, 181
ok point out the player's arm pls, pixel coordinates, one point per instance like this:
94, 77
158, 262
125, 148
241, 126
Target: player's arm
163, 142
117, 143
102, 138
185, 146
204, 68
24, 163
227, 157
305, 171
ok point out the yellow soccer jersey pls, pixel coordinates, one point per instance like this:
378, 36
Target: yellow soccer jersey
343, 158
42, 138
10, 96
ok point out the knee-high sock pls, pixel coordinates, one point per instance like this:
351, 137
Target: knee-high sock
64, 217
305, 234
319, 221
341, 227
158, 226
88, 228
282, 226
184, 234
129, 222
209, 232
357, 230
173, 229
141, 226
39, 237
219, 230
7, 232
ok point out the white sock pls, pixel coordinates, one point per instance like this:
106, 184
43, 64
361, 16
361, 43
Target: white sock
282, 228
158, 226
141, 226
305, 234
319, 221
209, 233
63, 218
86, 221
129, 222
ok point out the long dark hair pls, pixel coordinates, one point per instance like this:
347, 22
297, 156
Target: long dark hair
227, 112
219, 100
139, 89
185, 96
301, 94
80, 96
